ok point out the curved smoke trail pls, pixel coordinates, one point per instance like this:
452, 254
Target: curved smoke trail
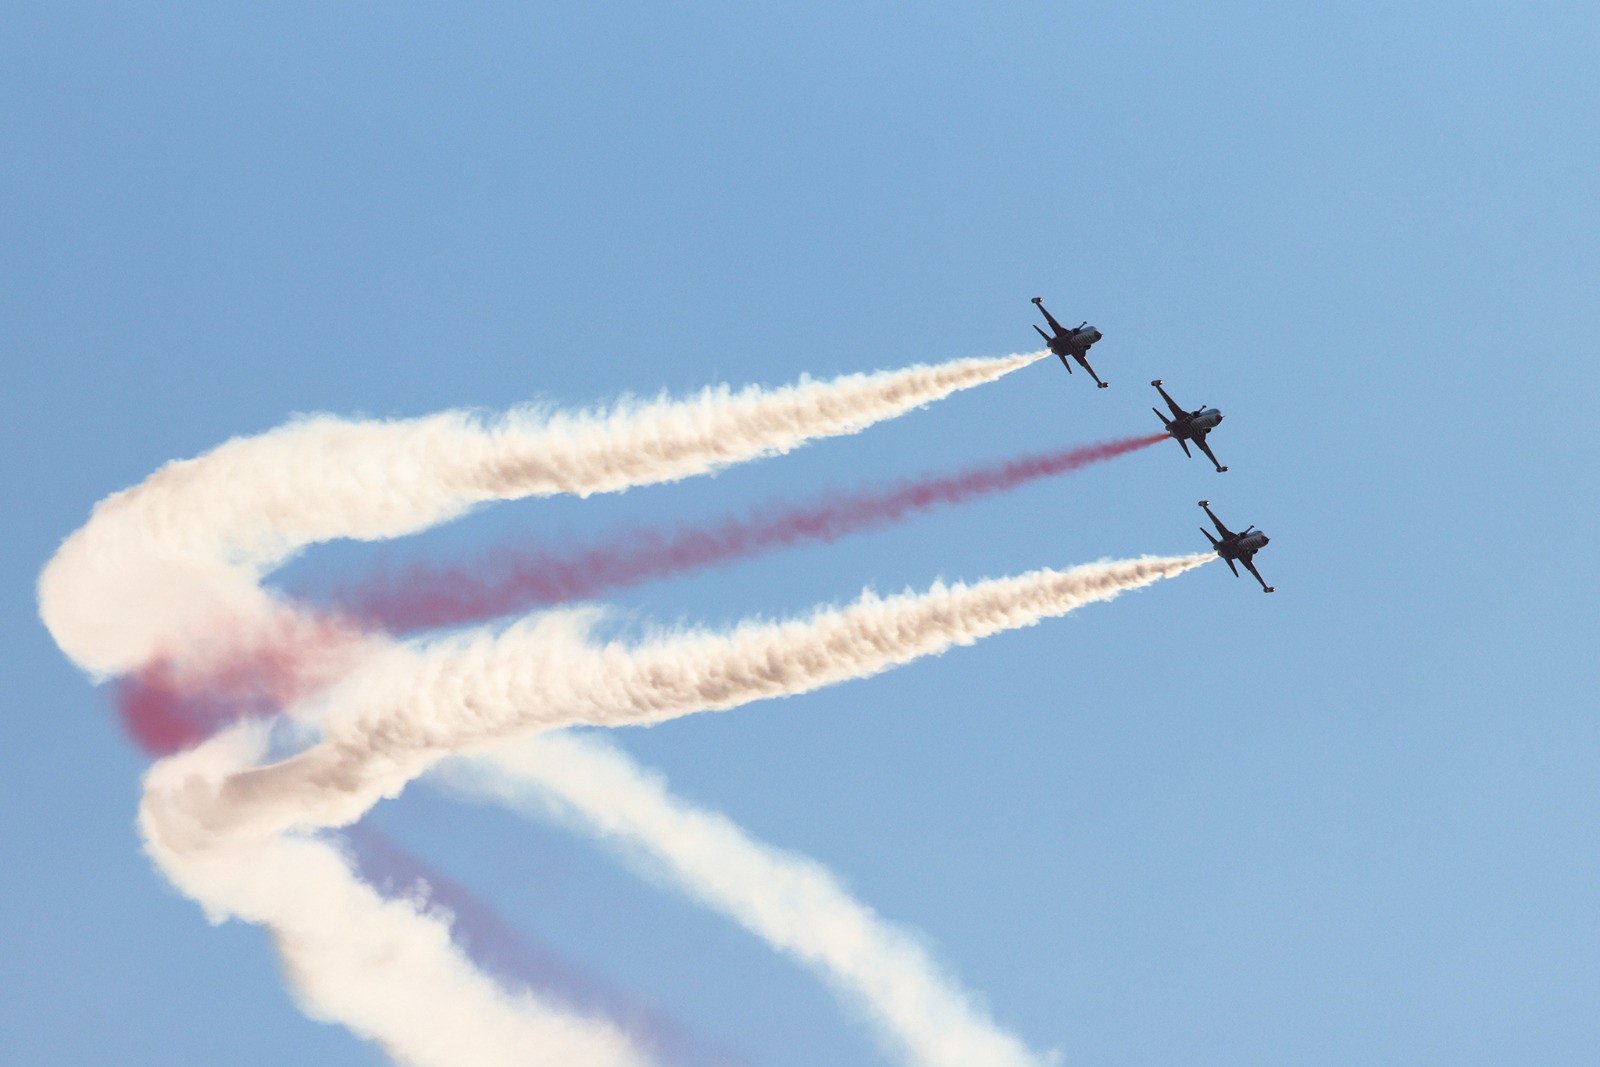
158, 564
512, 958
168, 563
410, 706
791, 902
387, 970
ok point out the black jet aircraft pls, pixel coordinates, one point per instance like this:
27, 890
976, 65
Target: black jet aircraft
1186, 426
1238, 547
1070, 342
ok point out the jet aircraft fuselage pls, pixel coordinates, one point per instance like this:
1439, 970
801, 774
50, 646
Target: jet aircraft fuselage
1238, 547
1069, 341
1186, 426
1242, 545
1074, 341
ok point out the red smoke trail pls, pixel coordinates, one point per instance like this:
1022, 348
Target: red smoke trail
509, 582
174, 702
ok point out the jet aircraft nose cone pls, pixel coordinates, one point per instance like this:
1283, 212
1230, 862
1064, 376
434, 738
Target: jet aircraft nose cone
1265, 540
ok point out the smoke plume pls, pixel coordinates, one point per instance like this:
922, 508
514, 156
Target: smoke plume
158, 565
509, 581
386, 969
791, 902
499, 949
166, 576
406, 707
172, 703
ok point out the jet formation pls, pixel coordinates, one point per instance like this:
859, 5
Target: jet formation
1185, 426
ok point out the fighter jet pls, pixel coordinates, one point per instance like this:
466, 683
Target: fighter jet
1237, 547
1186, 426
1073, 342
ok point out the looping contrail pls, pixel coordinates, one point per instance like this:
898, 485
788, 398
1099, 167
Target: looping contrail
386, 969
158, 564
168, 573
410, 706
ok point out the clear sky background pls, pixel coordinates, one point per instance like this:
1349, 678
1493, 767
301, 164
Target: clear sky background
1351, 822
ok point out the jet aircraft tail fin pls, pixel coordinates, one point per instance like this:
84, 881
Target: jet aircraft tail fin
1164, 420
1213, 540
1041, 333
1231, 567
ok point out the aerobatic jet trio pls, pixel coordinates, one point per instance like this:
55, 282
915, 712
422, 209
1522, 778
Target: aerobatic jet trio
1184, 427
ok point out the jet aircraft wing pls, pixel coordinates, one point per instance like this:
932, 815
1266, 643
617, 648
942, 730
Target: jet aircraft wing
1200, 441
1083, 361
1038, 302
1251, 567
1223, 530
1177, 412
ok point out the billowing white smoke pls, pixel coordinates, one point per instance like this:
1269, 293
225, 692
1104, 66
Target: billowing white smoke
386, 969
408, 707
158, 564
789, 901
168, 563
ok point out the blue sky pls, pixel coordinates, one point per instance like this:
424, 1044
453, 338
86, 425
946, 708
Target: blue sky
1352, 821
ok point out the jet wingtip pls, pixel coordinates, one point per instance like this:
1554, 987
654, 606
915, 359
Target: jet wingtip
1157, 381
1205, 503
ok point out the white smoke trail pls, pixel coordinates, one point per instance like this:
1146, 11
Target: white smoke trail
790, 901
386, 969
173, 561
159, 563
178, 558
411, 705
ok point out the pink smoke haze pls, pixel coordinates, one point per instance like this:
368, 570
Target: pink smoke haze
176, 701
